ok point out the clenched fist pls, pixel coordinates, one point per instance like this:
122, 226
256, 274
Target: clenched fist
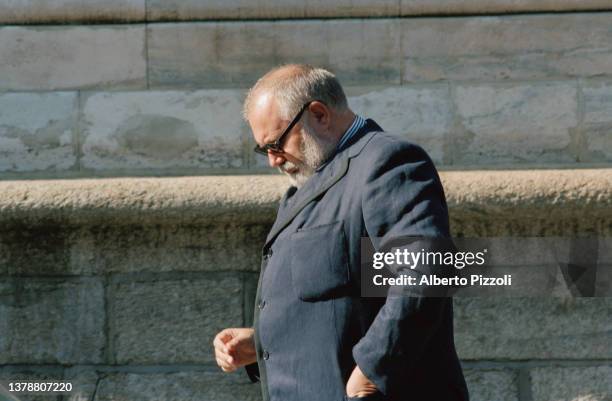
234, 348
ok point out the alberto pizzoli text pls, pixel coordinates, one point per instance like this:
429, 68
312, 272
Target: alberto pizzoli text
433, 280
412, 260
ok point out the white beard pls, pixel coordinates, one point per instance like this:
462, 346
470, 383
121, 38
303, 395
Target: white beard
315, 150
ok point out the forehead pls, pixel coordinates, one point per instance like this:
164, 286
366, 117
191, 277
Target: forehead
264, 117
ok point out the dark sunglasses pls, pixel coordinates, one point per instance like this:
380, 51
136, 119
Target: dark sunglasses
277, 146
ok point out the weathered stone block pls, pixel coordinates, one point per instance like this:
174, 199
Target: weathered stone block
510, 47
517, 251
347, 8
101, 249
509, 123
529, 203
42, 251
370, 57
174, 320
168, 248
236, 54
185, 10
245, 9
604, 251
538, 266
51, 321
209, 54
493, 203
492, 384
597, 128
585, 383
31, 11
185, 386
34, 11
137, 201
156, 130
37, 131
532, 328
597, 101
41, 58
585, 265
422, 115
598, 143
416, 7
84, 383
33, 375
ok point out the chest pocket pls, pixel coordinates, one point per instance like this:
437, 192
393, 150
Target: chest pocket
319, 262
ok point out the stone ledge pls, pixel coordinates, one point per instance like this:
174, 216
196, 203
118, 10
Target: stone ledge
87, 11
582, 196
124, 201
71, 11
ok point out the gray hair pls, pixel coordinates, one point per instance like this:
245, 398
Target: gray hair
294, 85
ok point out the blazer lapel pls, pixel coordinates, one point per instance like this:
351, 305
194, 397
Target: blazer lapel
318, 184
306, 195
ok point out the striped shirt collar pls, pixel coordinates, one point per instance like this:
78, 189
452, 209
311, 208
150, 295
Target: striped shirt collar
358, 123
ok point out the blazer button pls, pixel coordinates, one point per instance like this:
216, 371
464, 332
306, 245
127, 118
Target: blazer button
268, 254
261, 304
266, 355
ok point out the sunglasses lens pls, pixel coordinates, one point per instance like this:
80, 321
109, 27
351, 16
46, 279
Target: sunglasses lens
261, 151
268, 148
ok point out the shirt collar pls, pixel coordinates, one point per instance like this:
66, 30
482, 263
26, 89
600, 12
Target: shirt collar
356, 125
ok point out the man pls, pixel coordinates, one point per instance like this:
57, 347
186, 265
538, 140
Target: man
314, 338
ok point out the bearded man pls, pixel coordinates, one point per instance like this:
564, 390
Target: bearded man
314, 337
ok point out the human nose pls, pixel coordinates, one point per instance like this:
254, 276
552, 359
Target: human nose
275, 159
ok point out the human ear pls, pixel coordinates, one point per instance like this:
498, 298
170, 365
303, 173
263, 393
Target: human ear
320, 113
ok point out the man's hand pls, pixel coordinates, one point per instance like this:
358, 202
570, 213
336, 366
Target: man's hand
234, 348
359, 385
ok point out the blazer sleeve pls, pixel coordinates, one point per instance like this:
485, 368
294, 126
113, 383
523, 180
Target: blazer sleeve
402, 197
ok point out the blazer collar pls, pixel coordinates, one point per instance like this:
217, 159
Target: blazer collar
324, 178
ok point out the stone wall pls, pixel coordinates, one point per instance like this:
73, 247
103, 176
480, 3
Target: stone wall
91, 11
118, 284
162, 95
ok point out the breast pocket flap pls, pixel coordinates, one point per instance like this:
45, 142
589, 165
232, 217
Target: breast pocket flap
319, 262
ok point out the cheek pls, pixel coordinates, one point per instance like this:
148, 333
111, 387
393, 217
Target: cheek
293, 145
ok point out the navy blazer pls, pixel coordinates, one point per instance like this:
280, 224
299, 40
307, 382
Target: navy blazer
311, 324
